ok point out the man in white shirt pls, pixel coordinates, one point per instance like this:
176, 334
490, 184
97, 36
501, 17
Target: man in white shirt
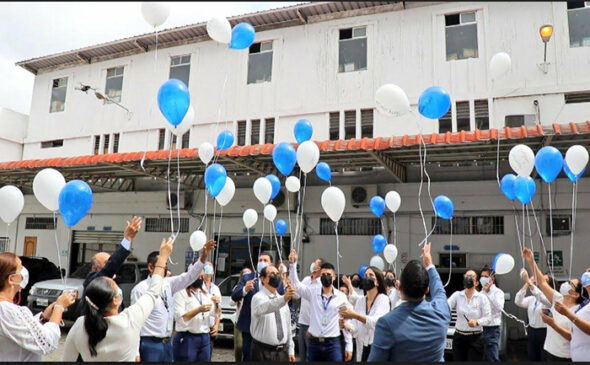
324, 326
155, 344
491, 332
270, 326
314, 279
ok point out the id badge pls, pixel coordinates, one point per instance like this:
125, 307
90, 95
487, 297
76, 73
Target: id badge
325, 321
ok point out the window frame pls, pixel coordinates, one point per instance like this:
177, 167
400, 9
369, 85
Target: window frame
461, 24
51, 110
366, 37
161, 139
107, 77
568, 11
181, 64
260, 52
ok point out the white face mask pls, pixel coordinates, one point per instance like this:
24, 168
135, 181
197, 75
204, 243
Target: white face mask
484, 281
260, 266
25, 275
312, 267
564, 289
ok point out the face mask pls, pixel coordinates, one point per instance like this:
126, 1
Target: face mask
585, 279
25, 275
260, 266
120, 293
208, 270
356, 283
273, 281
484, 281
199, 283
389, 282
368, 284
312, 268
564, 289
468, 282
326, 280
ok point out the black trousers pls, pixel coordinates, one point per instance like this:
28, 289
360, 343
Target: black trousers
467, 347
259, 352
553, 358
365, 354
536, 341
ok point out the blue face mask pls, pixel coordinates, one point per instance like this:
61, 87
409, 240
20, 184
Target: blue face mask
260, 266
208, 270
585, 279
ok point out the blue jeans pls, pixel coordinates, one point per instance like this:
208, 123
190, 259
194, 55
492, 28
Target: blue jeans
329, 350
191, 347
491, 344
246, 346
155, 351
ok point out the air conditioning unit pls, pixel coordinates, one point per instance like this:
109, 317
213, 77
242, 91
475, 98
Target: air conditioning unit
360, 196
185, 200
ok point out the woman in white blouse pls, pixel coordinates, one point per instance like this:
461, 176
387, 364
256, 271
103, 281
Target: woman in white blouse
367, 311
104, 334
24, 337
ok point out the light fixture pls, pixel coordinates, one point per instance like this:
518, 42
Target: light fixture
546, 31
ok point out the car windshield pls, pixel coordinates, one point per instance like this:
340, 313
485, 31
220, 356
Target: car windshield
227, 285
82, 271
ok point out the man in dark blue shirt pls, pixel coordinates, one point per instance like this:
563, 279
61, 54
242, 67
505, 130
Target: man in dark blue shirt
417, 329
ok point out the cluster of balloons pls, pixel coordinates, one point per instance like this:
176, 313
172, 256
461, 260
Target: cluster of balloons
240, 37
392, 101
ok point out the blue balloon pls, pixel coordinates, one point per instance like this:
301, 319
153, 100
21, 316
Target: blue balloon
548, 163
323, 171
443, 206
362, 270
275, 183
215, 177
570, 174
377, 205
525, 189
75, 200
434, 102
284, 157
379, 242
507, 186
174, 101
242, 36
281, 227
225, 140
303, 130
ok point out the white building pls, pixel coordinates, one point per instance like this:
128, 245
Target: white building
320, 61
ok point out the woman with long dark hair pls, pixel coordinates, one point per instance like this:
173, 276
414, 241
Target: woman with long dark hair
104, 334
368, 309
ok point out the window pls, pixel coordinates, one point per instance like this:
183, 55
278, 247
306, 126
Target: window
241, 133
349, 124
334, 126
116, 143
561, 225
484, 225
269, 130
367, 123
96, 145
577, 97
463, 116
461, 36
114, 85
185, 140
351, 226
352, 52
445, 124
527, 120
106, 143
52, 144
260, 62
39, 223
4, 244
58, 95
161, 138
255, 132
482, 115
163, 225
578, 18
180, 68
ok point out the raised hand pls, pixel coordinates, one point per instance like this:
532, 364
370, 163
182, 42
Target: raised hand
166, 247
426, 257
209, 246
132, 228
249, 285
528, 254
293, 257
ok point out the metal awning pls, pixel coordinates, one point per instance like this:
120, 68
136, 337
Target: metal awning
119, 171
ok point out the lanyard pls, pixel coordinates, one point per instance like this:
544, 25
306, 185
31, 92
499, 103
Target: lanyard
326, 303
582, 305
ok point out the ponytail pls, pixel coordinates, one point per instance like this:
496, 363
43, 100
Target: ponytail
99, 296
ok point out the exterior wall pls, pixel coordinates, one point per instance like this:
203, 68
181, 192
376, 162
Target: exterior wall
14, 128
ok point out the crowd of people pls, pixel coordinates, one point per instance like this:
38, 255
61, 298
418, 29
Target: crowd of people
374, 318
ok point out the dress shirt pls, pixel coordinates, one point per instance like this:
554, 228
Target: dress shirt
496, 298
213, 290
126, 244
395, 298
555, 344
161, 321
580, 345
304, 306
364, 332
354, 296
323, 322
477, 308
22, 336
184, 303
534, 305
263, 326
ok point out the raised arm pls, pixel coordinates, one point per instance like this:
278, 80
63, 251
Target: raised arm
301, 289
521, 300
179, 282
437, 290
548, 291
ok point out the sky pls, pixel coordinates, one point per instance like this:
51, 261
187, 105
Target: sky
30, 30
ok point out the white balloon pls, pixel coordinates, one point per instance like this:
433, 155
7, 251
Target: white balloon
155, 13
293, 184
393, 201
198, 240
500, 64
576, 158
270, 212
12, 202
377, 261
227, 193
250, 218
185, 125
333, 202
392, 101
308, 155
206, 152
504, 264
262, 189
47, 185
522, 160
390, 253
219, 29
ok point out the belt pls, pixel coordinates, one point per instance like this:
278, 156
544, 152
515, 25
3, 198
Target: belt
163, 340
468, 333
267, 347
323, 339
498, 326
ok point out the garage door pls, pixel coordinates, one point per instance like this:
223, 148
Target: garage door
86, 244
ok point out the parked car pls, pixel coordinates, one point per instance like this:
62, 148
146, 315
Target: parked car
228, 313
40, 269
45, 292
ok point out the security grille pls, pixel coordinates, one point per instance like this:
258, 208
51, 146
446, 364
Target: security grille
334, 126
482, 114
484, 225
163, 225
463, 116
349, 124
269, 130
39, 223
367, 123
351, 227
571, 98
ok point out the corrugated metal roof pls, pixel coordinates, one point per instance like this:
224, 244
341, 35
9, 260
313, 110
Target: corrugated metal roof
275, 18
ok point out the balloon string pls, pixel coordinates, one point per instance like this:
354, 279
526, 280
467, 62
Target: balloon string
68, 256
274, 233
528, 219
61, 275
450, 254
574, 191
178, 191
541, 238
302, 222
551, 231
216, 253
289, 216
498, 164
262, 238
214, 212
394, 231
520, 246
168, 187
250, 252
297, 214
337, 253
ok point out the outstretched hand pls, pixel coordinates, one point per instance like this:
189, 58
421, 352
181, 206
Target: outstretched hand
132, 228
426, 257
